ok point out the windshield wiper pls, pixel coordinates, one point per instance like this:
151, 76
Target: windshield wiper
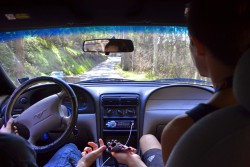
184, 80
106, 80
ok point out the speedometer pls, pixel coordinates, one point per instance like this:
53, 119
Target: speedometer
82, 103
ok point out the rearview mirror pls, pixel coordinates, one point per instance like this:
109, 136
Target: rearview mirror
108, 45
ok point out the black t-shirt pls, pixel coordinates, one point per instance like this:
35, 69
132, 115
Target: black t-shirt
200, 111
16, 151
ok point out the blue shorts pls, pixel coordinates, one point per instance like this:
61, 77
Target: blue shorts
67, 156
153, 158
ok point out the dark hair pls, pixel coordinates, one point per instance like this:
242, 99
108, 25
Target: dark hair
222, 25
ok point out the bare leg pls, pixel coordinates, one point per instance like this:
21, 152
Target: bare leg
148, 142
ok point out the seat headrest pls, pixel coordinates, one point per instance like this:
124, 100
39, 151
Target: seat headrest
241, 81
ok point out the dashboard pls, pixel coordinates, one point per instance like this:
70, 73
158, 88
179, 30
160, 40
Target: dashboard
120, 111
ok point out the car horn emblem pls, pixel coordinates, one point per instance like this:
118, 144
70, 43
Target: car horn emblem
39, 115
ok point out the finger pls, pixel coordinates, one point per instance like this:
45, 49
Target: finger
14, 129
87, 149
16, 132
101, 142
2, 127
132, 149
102, 148
98, 152
93, 145
84, 153
10, 122
118, 155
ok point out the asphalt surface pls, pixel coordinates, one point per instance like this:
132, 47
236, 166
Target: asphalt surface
105, 69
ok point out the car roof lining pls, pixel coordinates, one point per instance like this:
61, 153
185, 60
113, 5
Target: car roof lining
32, 14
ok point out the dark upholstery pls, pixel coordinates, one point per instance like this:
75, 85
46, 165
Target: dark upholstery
242, 80
222, 138
15, 151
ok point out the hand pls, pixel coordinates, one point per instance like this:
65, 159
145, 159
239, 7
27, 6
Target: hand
116, 146
129, 158
9, 128
90, 154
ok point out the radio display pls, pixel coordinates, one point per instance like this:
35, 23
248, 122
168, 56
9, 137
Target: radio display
123, 124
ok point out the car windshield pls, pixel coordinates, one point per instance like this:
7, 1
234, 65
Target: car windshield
161, 54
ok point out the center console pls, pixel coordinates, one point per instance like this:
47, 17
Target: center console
119, 120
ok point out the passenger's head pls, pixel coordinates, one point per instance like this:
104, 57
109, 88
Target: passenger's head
223, 26
111, 48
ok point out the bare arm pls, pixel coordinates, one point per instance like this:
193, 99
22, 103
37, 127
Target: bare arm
172, 133
130, 159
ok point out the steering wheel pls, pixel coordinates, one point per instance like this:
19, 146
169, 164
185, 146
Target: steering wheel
45, 115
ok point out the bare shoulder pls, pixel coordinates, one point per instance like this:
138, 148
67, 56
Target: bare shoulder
181, 120
178, 124
172, 133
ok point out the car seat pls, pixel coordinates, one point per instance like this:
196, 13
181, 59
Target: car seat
221, 138
16, 151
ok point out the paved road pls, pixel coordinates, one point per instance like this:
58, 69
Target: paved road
103, 70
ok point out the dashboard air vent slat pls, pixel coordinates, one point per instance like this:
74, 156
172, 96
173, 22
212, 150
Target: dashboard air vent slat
120, 100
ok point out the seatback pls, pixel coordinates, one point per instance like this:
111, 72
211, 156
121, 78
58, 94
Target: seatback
223, 137
16, 151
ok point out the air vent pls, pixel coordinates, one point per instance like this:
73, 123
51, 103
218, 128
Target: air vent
120, 100
110, 101
129, 101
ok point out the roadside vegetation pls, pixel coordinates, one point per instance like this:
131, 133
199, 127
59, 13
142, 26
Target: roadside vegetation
159, 52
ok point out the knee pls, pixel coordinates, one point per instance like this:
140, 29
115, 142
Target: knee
148, 138
148, 142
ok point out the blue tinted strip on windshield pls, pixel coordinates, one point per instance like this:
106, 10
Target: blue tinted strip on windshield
5, 36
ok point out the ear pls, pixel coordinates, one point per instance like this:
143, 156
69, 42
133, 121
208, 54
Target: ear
199, 47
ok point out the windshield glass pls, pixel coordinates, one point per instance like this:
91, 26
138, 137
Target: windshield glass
161, 53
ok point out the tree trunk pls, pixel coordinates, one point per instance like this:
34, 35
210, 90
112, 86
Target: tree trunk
20, 55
